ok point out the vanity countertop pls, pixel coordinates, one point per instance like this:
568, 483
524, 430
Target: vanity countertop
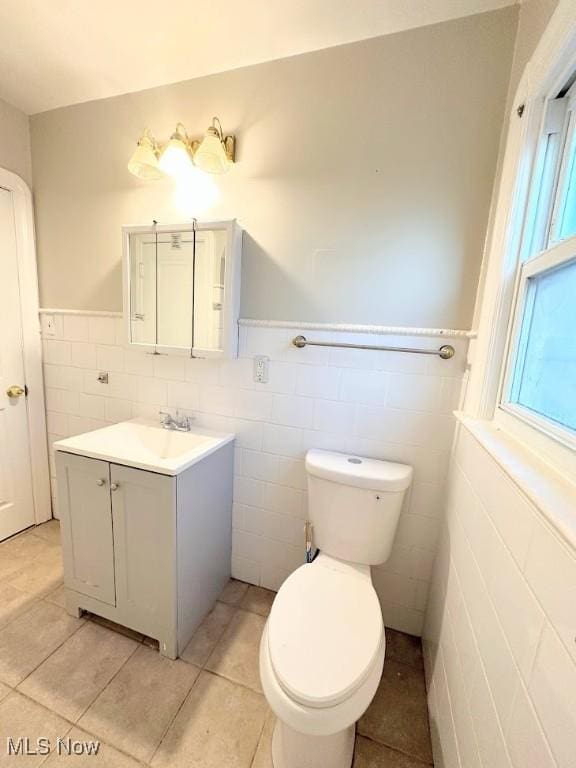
145, 444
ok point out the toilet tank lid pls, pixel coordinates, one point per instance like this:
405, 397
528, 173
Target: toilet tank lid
348, 469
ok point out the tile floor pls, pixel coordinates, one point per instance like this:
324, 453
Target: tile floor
86, 679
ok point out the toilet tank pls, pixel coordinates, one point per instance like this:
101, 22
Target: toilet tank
354, 504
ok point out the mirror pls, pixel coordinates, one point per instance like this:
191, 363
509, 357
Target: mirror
209, 274
161, 273
181, 289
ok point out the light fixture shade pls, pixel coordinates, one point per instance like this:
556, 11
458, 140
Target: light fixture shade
144, 161
211, 154
175, 159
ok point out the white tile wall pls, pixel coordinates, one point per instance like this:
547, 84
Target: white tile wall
500, 629
386, 405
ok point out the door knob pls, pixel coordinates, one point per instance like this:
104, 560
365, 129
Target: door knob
100, 481
15, 391
113, 486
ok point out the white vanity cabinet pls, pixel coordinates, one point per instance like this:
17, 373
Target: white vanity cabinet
148, 550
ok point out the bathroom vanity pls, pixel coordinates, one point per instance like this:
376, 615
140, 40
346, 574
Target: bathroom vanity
146, 526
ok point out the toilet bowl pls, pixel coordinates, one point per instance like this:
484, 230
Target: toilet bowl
323, 646
320, 681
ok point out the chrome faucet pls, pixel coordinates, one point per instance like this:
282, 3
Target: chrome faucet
176, 423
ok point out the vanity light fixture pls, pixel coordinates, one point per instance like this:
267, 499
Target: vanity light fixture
175, 159
144, 161
214, 153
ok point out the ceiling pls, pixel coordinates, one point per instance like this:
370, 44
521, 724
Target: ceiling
59, 52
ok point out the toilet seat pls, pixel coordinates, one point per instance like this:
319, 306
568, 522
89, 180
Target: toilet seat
325, 632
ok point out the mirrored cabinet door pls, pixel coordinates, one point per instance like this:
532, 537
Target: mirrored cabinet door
143, 288
174, 289
182, 287
209, 281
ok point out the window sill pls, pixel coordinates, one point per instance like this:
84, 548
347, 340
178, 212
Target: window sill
552, 492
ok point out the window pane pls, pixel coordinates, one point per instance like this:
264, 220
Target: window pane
545, 376
537, 226
568, 221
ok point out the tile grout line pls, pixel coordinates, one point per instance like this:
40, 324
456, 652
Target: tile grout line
234, 682
178, 710
394, 749
76, 725
100, 740
82, 622
53, 711
228, 680
220, 636
71, 728
35, 601
120, 668
92, 733
43, 706
260, 738
36, 598
49, 755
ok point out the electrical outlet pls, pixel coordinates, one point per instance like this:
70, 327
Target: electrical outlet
49, 325
261, 369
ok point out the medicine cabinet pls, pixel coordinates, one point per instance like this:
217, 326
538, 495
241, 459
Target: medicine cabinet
182, 287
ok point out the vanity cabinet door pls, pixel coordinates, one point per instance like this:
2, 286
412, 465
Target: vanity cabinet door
144, 514
86, 522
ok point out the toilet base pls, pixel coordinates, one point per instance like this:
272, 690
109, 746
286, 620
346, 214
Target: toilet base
291, 749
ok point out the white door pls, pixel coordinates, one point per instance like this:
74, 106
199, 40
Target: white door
16, 500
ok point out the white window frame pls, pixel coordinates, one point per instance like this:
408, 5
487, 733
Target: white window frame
557, 256
547, 73
541, 251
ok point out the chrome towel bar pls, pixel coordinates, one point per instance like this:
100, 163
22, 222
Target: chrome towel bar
446, 351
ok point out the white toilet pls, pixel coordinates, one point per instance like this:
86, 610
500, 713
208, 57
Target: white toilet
322, 649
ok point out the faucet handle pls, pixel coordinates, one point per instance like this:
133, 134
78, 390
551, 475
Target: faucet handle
183, 422
176, 421
165, 417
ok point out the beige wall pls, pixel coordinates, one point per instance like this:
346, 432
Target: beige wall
533, 18
363, 180
15, 142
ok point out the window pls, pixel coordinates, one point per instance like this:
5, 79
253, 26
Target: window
539, 385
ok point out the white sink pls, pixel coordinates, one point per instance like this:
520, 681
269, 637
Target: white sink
145, 444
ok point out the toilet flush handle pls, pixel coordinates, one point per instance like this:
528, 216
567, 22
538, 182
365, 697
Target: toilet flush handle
309, 539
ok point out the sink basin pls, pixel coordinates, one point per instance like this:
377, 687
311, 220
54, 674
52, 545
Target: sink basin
144, 444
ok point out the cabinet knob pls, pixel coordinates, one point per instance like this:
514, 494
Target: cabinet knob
114, 486
100, 481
